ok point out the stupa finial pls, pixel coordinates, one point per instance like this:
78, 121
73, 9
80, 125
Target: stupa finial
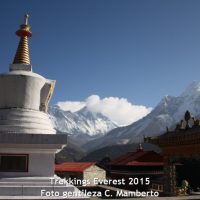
22, 54
26, 19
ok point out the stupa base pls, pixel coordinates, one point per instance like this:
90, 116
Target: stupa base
32, 188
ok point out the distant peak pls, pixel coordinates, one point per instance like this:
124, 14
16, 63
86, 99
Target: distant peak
192, 89
86, 112
165, 100
167, 97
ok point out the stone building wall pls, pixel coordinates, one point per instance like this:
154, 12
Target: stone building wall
94, 172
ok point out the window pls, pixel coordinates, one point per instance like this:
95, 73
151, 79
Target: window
13, 162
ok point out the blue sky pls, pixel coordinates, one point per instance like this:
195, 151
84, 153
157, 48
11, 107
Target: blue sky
135, 49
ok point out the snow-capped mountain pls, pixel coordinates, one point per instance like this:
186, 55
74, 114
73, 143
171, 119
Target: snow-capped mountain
167, 113
81, 122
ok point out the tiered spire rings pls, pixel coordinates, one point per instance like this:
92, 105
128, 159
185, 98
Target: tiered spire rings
22, 54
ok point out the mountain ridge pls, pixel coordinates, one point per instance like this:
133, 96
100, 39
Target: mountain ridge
169, 111
80, 123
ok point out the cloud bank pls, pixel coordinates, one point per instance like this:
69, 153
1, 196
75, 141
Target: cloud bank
117, 109
72, 106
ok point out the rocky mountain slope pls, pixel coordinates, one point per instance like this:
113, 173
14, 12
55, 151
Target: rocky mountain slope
167, 113
83, 124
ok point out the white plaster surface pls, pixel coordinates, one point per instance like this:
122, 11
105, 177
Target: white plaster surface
24, 67
25, 129
30, 188
23, 89
20, 91
19, 120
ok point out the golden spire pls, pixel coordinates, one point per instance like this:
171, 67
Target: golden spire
22, 54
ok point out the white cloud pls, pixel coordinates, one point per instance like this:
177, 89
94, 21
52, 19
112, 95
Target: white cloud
117, 109
72, 106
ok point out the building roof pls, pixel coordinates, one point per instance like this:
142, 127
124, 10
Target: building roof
139, 158
73, 166
136, 163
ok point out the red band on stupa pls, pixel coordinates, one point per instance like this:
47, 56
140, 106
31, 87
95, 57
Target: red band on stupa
23, 33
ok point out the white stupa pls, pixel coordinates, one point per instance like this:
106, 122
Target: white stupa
28, 141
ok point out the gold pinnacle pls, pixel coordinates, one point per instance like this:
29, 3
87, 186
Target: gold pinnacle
22, 54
